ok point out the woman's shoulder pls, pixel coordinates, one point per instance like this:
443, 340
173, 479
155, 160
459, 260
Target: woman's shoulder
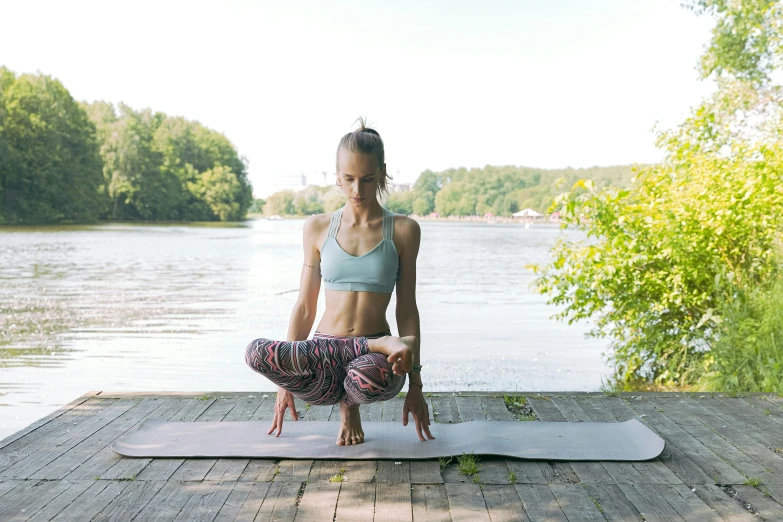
317, 223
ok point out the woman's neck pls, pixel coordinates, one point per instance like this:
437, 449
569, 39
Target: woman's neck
362, 214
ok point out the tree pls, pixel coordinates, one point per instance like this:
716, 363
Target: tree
51, 167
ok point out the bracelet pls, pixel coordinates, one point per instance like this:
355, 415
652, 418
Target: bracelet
419, 385
416, 368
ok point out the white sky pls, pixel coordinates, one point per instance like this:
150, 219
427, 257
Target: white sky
450, 83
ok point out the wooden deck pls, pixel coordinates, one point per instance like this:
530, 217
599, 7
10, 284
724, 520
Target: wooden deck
723, 461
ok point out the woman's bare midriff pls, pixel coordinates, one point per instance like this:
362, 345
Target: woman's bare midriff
354, 314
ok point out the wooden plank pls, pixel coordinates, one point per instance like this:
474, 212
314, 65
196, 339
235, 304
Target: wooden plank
166, 503
686, 503
197, 469
259, 470
766, 507
322, 413
356, 503
360, 470
575, 502
250, 505
430, 503
36, 456
708, 461
526, 471
13, 437
393, 502
466, 502
469, 408
540, 503
93, 455
570, 409
763, 428
129, 468
592, 472
318, 503
494, 471
28, 497
393, 471
545, 410
164, 469
105, 459
293, 470
323, 470
244, 409
266, 410
766, 407
724, 505
207, 499
495, 409
230, 508
504, 505
68, 494
445, 410
227, 470
369, 412
280, 502
650, 503
425, 472
90, 503
131, 501
558, 472
683, 468
615, 506
392, 410
8, 485
738, 446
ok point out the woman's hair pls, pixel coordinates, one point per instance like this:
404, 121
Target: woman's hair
366, 141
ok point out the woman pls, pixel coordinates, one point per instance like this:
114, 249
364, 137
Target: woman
361, 251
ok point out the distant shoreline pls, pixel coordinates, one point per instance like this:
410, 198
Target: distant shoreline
470, 219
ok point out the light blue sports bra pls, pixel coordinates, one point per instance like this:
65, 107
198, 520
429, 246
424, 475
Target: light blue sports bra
375, 271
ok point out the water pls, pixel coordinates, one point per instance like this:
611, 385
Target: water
171, 307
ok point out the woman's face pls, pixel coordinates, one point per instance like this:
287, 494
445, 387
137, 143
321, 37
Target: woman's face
358, 175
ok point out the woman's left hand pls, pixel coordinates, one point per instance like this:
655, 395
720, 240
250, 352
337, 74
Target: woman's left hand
415, 404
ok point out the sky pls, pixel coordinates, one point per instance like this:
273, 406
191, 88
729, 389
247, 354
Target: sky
447, 84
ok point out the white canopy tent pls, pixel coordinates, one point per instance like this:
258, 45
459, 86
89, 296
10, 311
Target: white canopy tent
528, 212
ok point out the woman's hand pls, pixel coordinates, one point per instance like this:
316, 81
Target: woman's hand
415, 404
285, 399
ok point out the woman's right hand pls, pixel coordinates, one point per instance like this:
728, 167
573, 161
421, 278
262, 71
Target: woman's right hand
285, 399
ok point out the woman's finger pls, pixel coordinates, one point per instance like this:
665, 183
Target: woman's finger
274, 425
418, 426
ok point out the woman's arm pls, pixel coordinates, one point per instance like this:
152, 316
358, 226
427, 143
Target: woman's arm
303, 314
408, 324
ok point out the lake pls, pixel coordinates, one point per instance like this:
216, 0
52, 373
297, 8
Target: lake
145, 307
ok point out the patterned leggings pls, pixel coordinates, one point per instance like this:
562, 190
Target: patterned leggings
326, 369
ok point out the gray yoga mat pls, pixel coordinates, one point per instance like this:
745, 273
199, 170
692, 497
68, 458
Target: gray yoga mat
629, 440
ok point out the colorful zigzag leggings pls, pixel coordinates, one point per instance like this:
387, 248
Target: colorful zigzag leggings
326, 369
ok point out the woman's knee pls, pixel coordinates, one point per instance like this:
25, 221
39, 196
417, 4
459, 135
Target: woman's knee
370, 378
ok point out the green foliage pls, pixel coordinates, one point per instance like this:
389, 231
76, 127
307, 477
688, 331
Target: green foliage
444, 462
656, 253
339, 476
467, 464
746, 41
63, 161
50, 168
748, 353
257, 207
400, 202
753, 482
678, 268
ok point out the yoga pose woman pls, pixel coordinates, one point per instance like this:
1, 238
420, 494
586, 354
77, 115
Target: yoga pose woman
361, 251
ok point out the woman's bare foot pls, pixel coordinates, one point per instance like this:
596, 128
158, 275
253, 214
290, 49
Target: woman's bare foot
350, 426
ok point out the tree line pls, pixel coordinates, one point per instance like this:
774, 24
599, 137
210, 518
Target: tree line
63, 161
457, 192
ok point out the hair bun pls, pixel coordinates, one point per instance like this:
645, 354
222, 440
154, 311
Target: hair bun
371, 131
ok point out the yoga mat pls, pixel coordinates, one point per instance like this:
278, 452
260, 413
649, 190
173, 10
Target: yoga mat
629, 440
